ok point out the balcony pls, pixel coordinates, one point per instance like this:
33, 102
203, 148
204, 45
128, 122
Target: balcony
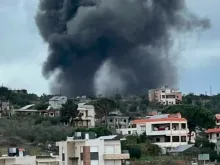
123, 156
167, 132
170, 144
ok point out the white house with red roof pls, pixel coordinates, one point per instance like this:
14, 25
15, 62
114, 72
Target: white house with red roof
167, 130
214, 133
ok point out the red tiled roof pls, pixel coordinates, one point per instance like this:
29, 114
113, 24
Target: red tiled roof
213, 130
158, 120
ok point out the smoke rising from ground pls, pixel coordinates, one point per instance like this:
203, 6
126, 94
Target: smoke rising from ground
129, 39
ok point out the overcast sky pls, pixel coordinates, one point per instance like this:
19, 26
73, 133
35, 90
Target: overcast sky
22, 50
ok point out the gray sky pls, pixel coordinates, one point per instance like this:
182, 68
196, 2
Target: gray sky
23, 51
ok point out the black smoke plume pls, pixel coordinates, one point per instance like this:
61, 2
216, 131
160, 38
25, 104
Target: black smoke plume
135, 35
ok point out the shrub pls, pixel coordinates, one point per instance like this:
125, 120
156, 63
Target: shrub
135, 152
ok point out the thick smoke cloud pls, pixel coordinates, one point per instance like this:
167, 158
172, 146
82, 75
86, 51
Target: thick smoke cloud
134, 35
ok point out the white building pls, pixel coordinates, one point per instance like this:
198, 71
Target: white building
79, 150
85, 117
56, 102
167, 131
213, 134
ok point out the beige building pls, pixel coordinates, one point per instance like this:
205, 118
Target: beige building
85, 117
83, 150
166, 130
165, 95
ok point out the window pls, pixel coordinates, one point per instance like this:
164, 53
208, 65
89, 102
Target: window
217, 134
183, 125
175, 138
129, 132
210, 136
133, 126
63, 157
157, 139
163, 96
163, 91
143, 128
170, 96
110, 120
93, 155
167, 139
125, 120
183, 138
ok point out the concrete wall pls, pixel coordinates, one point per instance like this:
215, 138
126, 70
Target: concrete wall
27, 160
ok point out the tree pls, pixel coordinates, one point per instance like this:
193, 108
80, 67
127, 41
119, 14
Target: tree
41, 106
133, 108
68, 111
118, 97
148, 148
196, 116
100, 131
103, 107
135, 152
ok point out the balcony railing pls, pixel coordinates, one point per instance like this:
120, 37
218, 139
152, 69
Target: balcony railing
122, 156
168, 132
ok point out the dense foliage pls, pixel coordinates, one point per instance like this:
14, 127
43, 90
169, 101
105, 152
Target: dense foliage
140, 146
196, 116
68, 111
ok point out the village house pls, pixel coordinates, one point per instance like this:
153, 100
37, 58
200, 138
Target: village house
165, 95
49, 113
85, 148
213, 134
116, 120
4, 108
56, 102
26, 110
85, 117
167, 130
